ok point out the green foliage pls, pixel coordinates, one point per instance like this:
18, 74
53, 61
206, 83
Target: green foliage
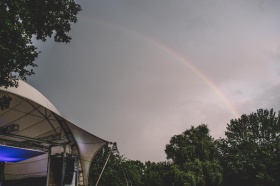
158, 174
250, 153
5, 102
134, 171
195, 158
22, 20
192, 144
118, 172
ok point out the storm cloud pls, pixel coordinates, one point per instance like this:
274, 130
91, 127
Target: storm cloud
139, 72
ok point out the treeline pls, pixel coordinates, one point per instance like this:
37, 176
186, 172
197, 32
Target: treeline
248, 155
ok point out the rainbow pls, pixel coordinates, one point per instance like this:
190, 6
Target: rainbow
177, 56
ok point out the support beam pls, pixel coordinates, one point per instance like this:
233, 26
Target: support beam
2, 168
103, 167
34, 139
63, 166
49, 165
24, 144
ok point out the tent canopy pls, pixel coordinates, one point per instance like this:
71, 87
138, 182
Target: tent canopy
33, 123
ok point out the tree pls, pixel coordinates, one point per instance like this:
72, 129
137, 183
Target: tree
23, 20
250, 153
134, 171
158, 174
195, 158
118, 172
113, 171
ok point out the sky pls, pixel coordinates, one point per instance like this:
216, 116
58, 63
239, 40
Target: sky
139, 72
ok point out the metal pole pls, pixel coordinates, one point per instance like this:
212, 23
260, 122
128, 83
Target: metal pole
103, 168
63, 166
49, 165
76, 171
2, 169
33, 139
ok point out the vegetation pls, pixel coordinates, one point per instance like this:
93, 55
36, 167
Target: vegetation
23, 21
119, 171
250, 151
195, 158
158, 174
248, 155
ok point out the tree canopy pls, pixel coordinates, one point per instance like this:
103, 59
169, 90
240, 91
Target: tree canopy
21, 22
195, 157
250, 153
119, 171
158, 174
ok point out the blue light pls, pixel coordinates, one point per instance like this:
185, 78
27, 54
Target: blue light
13, 154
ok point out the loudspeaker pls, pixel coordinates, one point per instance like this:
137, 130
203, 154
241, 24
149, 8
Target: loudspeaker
55, 173
69, 169
36, 181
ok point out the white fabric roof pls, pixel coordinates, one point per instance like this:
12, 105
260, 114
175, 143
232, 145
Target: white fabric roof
38, 118
26, 91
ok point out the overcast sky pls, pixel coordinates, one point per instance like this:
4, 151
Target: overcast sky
138, 72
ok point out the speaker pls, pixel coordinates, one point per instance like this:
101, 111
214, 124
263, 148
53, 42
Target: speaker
55, 173
69, 169
38, 181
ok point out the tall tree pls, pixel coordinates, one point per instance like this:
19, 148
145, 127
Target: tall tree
250, 153
22, 20
194, 154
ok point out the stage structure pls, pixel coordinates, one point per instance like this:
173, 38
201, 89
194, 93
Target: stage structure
38, 145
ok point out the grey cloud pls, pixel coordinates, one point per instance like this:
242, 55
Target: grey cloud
121, 77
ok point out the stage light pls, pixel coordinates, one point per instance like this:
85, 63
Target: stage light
9, 128
14, 154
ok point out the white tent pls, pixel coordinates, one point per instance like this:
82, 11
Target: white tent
33, 124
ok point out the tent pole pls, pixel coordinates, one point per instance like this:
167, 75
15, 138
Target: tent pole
63, 165
103, 168
76, 171
49, 164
